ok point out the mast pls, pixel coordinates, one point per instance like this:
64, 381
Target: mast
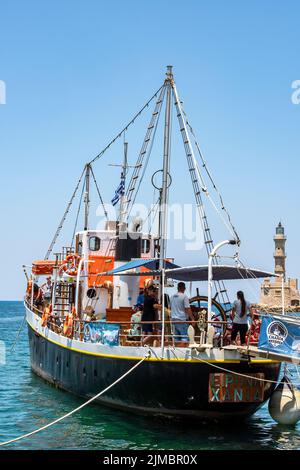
164, 197
165, 172
87, 196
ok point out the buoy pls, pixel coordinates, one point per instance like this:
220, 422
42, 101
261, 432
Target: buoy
284, 404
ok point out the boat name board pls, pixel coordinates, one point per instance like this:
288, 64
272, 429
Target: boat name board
232, 388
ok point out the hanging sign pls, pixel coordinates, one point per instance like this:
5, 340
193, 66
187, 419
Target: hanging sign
102, 333
232, 388
280, 336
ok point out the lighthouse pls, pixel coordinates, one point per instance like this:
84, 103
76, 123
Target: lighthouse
279, 255
271, 290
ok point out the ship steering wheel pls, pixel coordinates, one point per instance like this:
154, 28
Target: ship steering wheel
199, 309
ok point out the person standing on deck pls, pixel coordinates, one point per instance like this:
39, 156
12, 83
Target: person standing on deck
240, 310
149, 314
180, 312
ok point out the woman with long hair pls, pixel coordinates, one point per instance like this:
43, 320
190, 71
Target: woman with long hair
240, 310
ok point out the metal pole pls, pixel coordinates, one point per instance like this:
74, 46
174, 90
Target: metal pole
87, 197
32, 286
166, 167
210, 273
163, 312
81, 262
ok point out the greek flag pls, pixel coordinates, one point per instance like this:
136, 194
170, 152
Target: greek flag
120, 191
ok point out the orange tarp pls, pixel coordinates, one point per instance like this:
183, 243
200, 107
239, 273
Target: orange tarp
43, 267
100, 265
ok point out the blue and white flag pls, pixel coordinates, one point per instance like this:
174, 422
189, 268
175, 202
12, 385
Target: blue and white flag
280, 336
120, 191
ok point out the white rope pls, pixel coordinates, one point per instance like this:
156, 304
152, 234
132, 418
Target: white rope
78, 408
227, 225
238, 373
18, 334
232, 229
253, 277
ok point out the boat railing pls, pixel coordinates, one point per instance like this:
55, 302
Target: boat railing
126, 337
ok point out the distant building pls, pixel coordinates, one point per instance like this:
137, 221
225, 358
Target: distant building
271, 290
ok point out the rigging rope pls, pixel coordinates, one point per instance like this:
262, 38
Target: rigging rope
126, 127
149, 137
78, 408
77, 216
153, 209
144, 169
92, 161
64, 217
204, 165
237, 373
99, 194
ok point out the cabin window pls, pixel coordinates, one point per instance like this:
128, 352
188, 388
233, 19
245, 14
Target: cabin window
94, 243
145, 246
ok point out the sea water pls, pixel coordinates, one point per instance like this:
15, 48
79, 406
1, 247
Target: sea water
27, 403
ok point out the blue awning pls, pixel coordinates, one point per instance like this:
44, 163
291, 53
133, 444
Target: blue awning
151, 264
187, 273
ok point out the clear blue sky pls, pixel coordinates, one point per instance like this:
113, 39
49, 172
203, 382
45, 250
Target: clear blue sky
75, 71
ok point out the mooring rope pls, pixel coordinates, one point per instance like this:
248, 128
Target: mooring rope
239, 373
18, 334
78, 408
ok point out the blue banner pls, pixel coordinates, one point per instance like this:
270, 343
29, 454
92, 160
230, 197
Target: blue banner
280, 336
102, 333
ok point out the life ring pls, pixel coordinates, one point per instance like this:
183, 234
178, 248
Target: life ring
68, 324
46, 314
73, 270
73, 257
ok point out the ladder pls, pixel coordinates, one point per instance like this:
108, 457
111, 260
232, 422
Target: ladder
196, 179
62, 303
130, 193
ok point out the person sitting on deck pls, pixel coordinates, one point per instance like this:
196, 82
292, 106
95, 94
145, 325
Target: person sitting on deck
136, 318
37, 296
47, 289
88, 314
149, 314
240, 310
180, 312
254, 331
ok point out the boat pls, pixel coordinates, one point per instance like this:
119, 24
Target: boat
80, 320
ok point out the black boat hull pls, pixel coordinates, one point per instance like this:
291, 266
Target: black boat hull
170, 388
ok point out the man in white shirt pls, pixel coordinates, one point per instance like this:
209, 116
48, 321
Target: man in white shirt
180, 312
